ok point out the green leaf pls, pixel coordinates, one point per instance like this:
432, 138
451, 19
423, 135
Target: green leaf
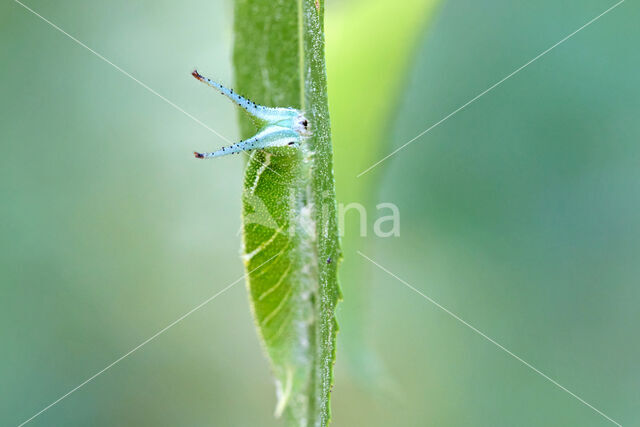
290, 233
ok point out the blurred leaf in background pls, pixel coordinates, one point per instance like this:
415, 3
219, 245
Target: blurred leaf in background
370, 47
519, 214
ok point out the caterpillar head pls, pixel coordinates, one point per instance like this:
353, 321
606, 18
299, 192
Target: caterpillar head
302, 125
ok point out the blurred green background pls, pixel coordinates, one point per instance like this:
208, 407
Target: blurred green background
519, 214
